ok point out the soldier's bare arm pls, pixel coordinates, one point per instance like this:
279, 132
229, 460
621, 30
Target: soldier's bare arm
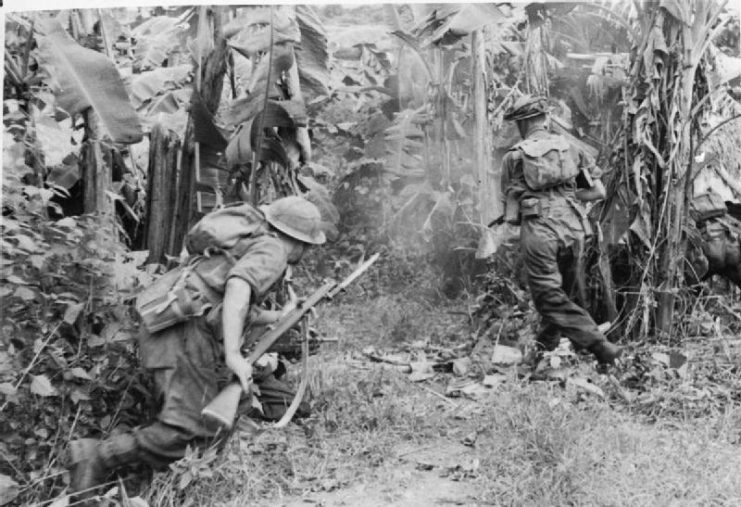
236, 308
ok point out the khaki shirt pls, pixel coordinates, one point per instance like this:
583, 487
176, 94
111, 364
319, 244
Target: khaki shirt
260, 261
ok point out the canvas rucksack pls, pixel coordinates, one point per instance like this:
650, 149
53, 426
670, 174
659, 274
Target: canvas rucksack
706, 206
547, 162
181, 294
224, 228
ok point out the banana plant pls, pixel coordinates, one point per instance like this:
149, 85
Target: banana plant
287, 50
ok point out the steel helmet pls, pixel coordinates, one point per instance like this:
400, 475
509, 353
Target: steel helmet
296, 217
526, 107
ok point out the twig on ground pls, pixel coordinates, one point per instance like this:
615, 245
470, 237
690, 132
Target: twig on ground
439, 395
418, 449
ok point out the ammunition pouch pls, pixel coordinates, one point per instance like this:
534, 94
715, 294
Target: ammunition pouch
175, 297
530, 207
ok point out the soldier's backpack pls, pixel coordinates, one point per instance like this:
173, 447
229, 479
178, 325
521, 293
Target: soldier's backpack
706, 206
224, 228
180, 294
547, 162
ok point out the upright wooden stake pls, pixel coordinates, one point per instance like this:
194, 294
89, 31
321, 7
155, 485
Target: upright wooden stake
164, 146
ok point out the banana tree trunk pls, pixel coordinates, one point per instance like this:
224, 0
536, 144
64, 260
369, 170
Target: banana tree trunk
489, 208
95, 172
294, 91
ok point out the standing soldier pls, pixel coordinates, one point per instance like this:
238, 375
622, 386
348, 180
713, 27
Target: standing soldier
544, 181
185, 355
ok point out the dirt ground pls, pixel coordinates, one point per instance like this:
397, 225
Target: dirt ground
649, 432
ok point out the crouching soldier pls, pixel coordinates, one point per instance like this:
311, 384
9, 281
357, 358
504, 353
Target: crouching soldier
194, 326
713, 246
544, 181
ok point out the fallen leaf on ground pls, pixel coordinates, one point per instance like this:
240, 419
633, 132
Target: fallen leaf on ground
661, 358
504, 354
41, 385
586, 385
9, 489
462, 366
494, 380
421, 370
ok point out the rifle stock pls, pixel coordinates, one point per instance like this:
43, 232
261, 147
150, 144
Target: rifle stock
222, 410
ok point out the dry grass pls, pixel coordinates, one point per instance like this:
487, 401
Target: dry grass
378, 439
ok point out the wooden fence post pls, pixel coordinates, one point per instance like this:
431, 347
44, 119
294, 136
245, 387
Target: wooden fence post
161, 191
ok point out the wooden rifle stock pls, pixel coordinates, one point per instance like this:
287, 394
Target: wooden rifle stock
222, 410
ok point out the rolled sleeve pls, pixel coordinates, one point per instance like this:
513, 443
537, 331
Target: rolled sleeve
262, 264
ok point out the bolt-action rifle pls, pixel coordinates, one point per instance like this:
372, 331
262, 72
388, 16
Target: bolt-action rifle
222, 410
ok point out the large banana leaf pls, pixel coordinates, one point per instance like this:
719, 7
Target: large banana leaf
204, 129
83, 78
239, 150
449, 22
278, 114
312, 55
244, 109
158, 37
254, 34
148, 85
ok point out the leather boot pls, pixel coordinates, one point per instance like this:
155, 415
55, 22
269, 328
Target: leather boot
606, 352
91, 460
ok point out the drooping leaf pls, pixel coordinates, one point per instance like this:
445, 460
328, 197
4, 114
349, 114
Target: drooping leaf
282, 61
239, 150
150, 84
449, 22
41, 385
84, 78
286, 113
204, 129
254, 36
312, 54
157, 38
679, 9
272, 150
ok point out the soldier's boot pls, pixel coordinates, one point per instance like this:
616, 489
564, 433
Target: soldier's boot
91, 460
606, 352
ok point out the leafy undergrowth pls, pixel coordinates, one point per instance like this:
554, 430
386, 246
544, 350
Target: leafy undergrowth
638, 434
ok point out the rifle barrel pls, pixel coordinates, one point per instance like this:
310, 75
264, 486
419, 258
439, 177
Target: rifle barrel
290, 320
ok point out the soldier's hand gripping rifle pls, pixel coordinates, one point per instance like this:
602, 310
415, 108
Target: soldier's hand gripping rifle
222, 410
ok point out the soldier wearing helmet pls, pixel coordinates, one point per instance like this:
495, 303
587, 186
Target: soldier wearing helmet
544, 181
186, 357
